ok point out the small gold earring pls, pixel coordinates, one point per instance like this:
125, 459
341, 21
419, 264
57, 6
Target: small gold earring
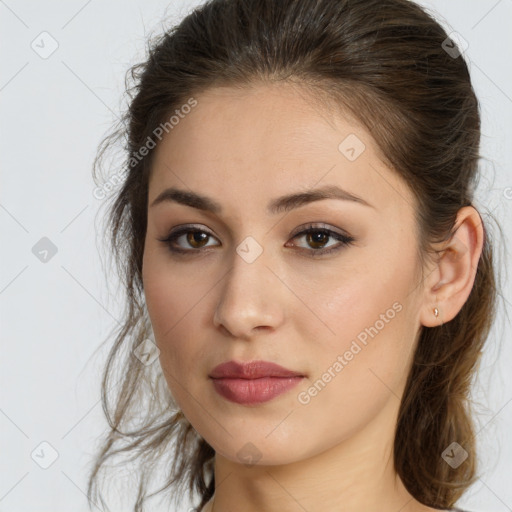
436, 312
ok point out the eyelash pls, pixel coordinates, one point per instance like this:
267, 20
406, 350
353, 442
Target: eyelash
343, 240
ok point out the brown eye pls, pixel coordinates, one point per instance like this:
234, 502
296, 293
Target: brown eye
317, 239
187, 240
197, 238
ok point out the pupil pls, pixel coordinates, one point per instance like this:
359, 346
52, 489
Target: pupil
196, 237
319, 237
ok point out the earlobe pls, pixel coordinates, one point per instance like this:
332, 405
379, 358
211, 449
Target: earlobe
454, 276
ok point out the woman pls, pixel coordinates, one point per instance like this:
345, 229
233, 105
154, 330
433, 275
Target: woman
297, 238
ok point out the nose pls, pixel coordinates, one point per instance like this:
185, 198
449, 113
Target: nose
252, 299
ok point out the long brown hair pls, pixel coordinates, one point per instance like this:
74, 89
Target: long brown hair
385, 62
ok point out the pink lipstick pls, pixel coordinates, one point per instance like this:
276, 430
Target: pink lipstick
254, 382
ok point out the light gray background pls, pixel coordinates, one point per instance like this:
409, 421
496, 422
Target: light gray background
55, 314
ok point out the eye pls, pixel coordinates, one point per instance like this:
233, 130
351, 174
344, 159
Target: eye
195, 237
318, 236
315, 236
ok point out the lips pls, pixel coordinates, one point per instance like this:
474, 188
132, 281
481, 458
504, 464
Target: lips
251, 370
253, 383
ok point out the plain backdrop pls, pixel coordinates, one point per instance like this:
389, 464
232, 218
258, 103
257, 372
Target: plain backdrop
61, 85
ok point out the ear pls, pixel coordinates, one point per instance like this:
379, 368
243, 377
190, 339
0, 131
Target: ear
448, 286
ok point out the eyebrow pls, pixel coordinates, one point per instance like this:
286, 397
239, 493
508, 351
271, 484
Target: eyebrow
278, 205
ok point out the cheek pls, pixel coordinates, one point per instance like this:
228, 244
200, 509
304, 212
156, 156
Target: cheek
175, 299
166, 302
172, 291
361, 370
366, 357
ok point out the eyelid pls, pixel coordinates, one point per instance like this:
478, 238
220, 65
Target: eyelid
344, 239
320, 226
297, 231
183, 229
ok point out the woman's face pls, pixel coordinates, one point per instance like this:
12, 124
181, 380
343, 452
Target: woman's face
247, 285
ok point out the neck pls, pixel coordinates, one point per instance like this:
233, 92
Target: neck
356, 475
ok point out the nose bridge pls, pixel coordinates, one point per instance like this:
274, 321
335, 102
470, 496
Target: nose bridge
248, 298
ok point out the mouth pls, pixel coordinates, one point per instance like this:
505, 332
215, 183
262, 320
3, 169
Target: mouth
254, 382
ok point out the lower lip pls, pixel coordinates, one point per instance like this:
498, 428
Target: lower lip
254, 391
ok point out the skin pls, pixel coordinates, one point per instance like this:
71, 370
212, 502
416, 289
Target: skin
243, 148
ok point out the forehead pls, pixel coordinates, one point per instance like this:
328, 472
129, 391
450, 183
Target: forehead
268, 140
270, 120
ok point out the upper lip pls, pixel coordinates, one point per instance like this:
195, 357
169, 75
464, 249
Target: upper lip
251, 370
